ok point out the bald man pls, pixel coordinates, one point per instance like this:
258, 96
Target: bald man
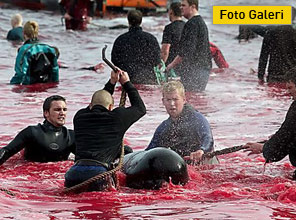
99, 130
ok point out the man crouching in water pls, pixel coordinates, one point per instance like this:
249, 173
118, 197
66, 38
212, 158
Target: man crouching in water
50, 141
186, 131
99, 130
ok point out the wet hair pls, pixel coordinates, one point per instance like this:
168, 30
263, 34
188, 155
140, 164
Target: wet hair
102, 97
16, 20
47, 102
291, 75
31, 29
134, 18
193, 2
176, 9
173, 86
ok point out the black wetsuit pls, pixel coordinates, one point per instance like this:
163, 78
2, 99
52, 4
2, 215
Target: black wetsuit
137, 52
279, 50
172, 35
42, 143
194, 48
283, 142
99, 133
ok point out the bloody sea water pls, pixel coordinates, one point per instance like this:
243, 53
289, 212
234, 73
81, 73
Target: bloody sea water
237, 107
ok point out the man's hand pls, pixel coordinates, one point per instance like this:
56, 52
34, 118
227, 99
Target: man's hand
115, 76
123, 77
254, 148
197, 155
168, 68
67, 16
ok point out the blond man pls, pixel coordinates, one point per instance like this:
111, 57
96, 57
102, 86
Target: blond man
186, 131
16, 33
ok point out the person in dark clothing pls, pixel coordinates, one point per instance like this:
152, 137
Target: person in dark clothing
194, 50
172, 34
99, 131
46, 142
77, 13
137, 52
186, 131
283, 142
279, 50
16, 33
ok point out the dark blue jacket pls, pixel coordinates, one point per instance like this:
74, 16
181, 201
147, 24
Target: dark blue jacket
191, 132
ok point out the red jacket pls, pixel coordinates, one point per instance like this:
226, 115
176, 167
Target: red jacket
218, 56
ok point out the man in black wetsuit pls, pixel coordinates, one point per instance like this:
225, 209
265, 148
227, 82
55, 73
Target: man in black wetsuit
194, 49
137, 52
283, 142
50, 141
99, 131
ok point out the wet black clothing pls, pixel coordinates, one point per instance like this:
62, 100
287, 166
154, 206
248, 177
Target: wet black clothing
279, 50
283, 142
172, 35
196, 55
42, 143
137, 52
99, 132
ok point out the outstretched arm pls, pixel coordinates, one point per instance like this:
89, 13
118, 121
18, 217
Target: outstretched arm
16, 145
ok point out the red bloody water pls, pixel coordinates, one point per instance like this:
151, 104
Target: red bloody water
237, 107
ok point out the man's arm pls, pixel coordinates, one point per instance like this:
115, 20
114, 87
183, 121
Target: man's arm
110, 85
165, 51
174, 63
137, 109
205, 136
20, 70
278, 146
16, 145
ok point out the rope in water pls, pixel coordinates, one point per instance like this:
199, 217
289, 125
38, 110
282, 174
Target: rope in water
225, 151
215, 153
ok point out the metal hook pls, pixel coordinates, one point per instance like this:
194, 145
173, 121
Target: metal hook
111, 65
